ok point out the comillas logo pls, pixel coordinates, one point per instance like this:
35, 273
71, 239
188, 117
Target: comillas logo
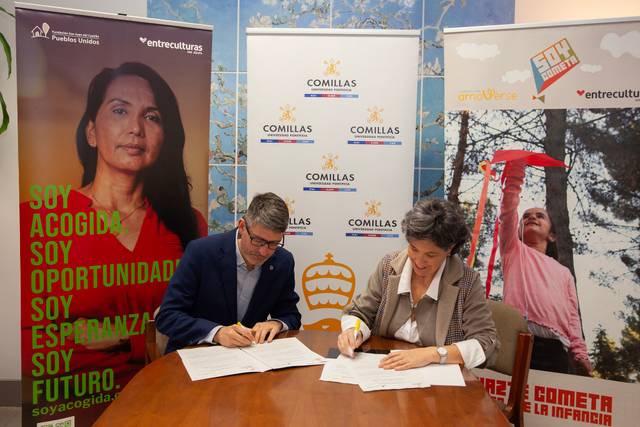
372, 223
329, 162
330, 178
327, 286
44, 31
610, 94
332, 67
299, 225
486, 95
375, 131
190, 48
286, 131
286, 114
331, 85
552, 63
375, 115
373, 209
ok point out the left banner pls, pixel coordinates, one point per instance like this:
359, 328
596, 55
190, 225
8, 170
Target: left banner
113, 145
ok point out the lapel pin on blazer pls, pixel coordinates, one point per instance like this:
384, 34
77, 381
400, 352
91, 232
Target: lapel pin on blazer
270, 267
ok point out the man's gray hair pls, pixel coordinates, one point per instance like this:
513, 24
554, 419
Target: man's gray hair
270, 211
440, 221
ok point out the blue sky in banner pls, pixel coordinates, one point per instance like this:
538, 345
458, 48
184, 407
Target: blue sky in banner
230, 18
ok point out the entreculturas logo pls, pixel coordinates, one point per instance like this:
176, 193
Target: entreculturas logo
375, 131
330, 178
610, 94
372, 223
191, 48
287, 130
331, 84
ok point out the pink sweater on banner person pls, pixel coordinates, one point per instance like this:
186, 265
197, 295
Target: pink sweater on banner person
541, 288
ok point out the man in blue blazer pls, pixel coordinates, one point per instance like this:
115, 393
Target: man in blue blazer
234, 288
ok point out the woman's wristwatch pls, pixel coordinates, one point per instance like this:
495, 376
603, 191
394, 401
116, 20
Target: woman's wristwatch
443, 353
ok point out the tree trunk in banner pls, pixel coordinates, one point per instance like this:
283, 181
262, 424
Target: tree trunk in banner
458, 162
556, 184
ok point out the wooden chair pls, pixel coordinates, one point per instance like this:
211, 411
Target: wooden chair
514, 357
155, 342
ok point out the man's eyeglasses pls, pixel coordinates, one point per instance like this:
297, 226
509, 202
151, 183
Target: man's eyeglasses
259, 242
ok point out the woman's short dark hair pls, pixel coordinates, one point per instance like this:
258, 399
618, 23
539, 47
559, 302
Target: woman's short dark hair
437, 220
166, 184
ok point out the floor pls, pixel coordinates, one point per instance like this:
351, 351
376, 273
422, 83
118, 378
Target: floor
10, 416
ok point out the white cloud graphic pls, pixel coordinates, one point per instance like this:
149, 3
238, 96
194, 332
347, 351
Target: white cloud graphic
590, 68
513, 76
477, 51
619, 45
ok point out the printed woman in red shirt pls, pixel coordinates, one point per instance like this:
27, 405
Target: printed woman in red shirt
120, 236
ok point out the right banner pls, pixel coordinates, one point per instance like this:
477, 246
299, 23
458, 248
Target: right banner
566, 240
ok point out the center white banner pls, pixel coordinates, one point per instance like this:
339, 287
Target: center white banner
331, 129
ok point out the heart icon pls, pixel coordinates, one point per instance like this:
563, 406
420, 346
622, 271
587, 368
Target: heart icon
580, 92
143, 39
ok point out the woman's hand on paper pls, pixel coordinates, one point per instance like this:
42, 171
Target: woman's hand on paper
408, 359
348, 341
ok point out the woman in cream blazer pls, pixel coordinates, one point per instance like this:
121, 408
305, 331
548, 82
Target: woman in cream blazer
425, 295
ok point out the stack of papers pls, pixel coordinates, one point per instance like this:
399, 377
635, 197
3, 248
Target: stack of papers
218, 361
363, 370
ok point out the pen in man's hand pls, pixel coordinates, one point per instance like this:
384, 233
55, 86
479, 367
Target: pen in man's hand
253, 341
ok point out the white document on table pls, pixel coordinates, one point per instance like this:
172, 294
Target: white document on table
338, 371
365, 370
284, 353
218, 361
447, 374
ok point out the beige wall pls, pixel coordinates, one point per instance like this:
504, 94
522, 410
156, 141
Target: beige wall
528, 11
9, 223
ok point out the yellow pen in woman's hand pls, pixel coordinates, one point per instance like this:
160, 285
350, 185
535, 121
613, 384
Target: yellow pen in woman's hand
357, 328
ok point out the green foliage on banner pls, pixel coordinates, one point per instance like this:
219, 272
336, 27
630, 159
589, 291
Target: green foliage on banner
630, 342
619, 363
606, 358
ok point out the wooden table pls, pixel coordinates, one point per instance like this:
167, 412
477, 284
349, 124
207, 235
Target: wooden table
162, 394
